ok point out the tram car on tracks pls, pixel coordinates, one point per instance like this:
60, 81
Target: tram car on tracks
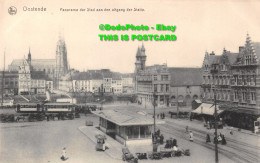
42, 111
32, 111
59, 110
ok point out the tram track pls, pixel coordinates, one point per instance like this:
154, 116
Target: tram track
231, 151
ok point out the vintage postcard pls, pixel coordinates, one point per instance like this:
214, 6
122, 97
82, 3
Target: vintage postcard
136, 81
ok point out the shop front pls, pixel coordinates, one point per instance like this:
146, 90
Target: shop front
242, 118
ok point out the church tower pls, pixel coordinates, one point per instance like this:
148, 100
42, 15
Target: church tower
29, 58
140, 59
61, 59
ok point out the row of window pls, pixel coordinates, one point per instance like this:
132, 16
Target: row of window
236, 95
161, 88
163, 77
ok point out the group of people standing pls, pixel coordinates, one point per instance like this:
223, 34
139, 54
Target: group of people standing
217, 139
158, 137
161, 116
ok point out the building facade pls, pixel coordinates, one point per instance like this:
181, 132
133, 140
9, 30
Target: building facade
53, 68
185, 86
165, 86
9, 82
234, 79
32, 82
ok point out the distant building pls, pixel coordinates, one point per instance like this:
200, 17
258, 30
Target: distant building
185, 85
128, 83
165, 86
117, 85
54, 68
32, 82
233, 78
9, 83
87, 82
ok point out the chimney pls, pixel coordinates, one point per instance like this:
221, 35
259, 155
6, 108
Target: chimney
212, 53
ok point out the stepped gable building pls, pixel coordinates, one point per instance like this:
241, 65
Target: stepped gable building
32, 82
216, 70
160, 84
236, 81
54, 68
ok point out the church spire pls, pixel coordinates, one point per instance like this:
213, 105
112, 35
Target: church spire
249, 45
29, 59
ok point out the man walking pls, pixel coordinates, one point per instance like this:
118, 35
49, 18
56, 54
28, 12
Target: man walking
191, 136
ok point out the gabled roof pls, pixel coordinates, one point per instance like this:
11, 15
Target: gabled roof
216, 59
126, 118
232, 57
87, 76
116, 76
185, 76
34, 62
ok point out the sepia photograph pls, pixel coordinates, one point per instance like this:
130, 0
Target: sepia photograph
129, 81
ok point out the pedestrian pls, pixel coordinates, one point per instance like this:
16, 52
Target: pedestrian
187, 129
208, 139
191, 136
161, 139
63, 154
220, 138
158, 132
174, 142
208, 125
157, 116
224, 142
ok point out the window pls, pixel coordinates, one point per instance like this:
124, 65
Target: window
243, 96
155, 77
236, 95
167, 87
252, 96
162, 88
165, 77
155, 87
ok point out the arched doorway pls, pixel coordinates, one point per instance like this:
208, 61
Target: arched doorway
173, 101
180, 100
188, 100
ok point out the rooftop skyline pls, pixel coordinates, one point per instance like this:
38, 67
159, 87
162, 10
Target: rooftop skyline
200, 26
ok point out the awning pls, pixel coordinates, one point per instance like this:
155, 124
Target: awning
198, 101
208, 109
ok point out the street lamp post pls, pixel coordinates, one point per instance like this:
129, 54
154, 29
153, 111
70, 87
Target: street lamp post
154, 112
216, 127
154, 142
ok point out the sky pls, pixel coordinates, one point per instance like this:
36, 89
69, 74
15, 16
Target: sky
200, 26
